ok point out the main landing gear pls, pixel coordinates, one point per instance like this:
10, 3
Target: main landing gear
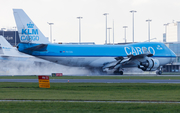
118, 72
159, 71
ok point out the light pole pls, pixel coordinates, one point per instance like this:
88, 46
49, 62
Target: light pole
50, 31
148, 28
79, 28
164, 40
109, 34
113, 32
133, 11
105, 14
125, 32
15, 36
3, 30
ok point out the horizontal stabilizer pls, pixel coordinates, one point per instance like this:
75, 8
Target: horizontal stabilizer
41, 47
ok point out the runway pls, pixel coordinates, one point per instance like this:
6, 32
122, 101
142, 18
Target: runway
94, 80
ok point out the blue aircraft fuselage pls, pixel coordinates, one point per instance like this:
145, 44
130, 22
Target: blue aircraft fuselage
60, 52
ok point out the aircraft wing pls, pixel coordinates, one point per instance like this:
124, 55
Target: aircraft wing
125, 60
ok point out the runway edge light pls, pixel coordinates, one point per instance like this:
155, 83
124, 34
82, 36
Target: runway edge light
44, 81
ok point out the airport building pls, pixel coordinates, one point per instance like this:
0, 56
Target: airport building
11, 36
172, 32
174, 66
171, 38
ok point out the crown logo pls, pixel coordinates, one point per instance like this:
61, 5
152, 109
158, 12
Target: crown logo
30, 25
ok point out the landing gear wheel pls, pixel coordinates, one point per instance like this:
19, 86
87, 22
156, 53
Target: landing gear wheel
118, 72
159, 72
121, 72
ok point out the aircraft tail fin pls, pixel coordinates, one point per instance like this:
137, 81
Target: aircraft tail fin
6, 49
28, 31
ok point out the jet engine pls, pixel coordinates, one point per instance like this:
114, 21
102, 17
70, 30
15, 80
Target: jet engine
149, 65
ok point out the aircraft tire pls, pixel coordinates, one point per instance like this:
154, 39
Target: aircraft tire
121, 72
118, 72
159, 73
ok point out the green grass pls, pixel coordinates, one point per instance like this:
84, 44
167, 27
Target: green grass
61, 107
91, 91
94, 77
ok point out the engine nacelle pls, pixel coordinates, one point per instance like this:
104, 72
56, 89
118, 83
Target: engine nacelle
149, 65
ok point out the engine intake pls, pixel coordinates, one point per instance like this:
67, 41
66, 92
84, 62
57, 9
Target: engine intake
149, 65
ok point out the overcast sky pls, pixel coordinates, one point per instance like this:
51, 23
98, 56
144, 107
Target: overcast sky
64, 13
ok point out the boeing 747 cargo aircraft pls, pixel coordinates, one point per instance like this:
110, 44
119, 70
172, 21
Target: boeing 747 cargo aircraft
148, 56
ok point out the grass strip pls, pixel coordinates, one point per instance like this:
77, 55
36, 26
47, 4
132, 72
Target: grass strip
59, 107
91, 91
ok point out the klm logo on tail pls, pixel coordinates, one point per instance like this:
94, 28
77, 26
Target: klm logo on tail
30, 25
30, 34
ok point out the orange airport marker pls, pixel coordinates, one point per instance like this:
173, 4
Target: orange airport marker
44, 81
